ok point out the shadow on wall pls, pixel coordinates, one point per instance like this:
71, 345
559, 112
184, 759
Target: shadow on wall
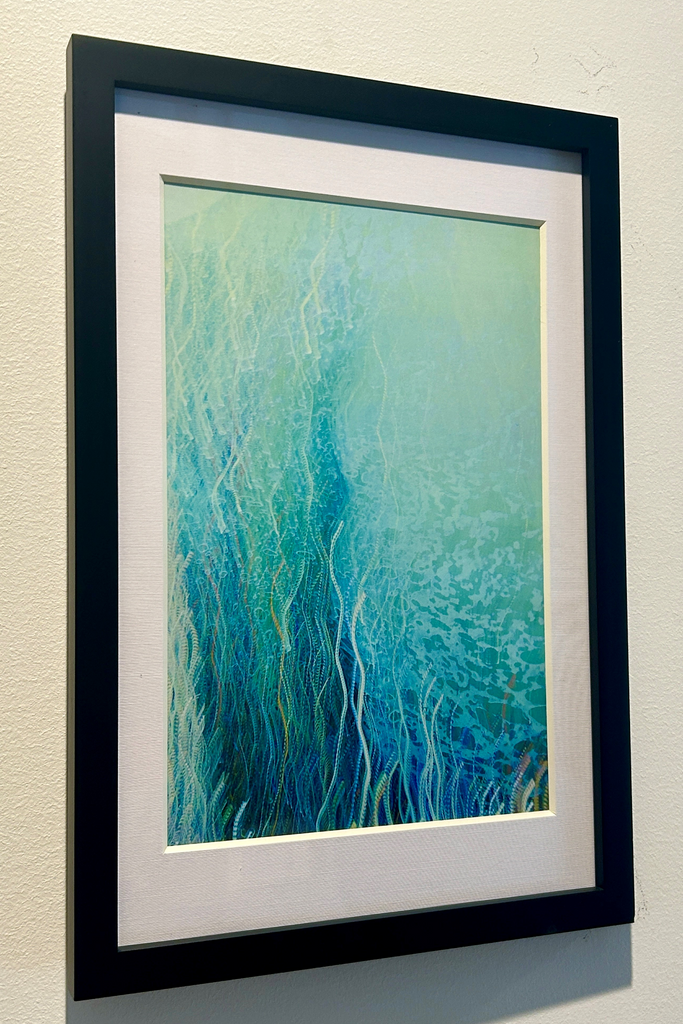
471, 986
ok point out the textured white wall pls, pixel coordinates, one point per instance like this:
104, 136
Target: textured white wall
620, 58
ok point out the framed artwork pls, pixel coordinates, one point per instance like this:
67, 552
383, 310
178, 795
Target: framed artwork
348, 663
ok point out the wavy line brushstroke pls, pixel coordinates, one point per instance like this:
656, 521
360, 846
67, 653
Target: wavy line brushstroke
355, 612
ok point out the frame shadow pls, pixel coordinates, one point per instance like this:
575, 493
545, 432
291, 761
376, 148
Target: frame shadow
473, 985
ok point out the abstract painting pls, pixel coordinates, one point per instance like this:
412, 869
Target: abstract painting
354, 524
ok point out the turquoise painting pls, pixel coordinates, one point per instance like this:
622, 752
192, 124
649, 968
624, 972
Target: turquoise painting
354, 516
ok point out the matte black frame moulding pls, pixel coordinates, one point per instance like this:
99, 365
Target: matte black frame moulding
96, 966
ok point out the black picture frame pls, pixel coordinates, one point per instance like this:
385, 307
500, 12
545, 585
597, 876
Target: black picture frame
96, 966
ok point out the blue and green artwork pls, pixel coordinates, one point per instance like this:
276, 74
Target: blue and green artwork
354, 516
